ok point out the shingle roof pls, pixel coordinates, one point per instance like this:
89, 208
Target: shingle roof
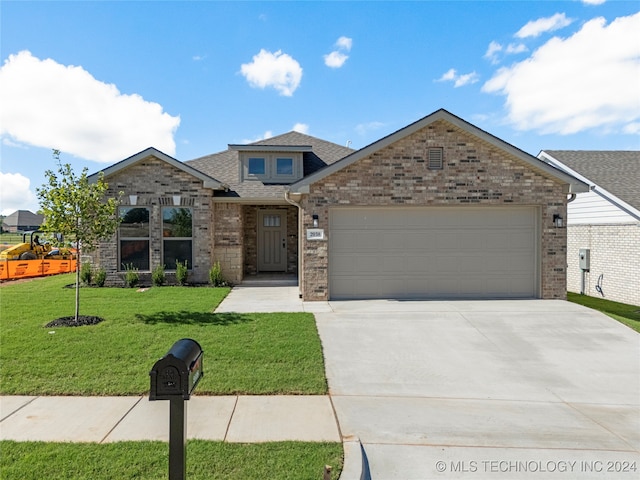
23, 218
225, 166
617, 171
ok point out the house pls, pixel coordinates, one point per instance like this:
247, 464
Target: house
22, 221
438, 209
605, 221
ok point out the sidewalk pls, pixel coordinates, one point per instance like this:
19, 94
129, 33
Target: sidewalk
242, 419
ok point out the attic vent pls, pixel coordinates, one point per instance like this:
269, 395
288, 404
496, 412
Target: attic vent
435, 158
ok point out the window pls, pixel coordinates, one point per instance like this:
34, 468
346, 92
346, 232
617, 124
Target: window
271, 221
435, 159
257, 166
284, 166
272, 168
134, 238
177, 235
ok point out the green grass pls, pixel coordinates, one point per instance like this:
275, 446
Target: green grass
149, 460
275, 353
626, 314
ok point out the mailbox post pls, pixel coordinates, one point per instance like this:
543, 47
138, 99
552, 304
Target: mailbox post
173, 378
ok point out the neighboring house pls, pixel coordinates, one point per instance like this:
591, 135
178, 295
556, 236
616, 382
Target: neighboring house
606, 221
438, 209
22, 221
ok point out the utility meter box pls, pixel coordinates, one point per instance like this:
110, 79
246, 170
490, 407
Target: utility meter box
585, 259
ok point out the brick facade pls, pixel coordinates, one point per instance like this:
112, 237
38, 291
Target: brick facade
615, 261
155, 183
475, 173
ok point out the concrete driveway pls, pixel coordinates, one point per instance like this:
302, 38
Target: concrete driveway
485, 389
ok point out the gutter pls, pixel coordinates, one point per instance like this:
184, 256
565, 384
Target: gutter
300, 232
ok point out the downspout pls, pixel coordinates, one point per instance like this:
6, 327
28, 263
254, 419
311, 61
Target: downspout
300, 231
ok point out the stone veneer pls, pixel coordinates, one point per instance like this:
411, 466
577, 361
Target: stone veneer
475, 173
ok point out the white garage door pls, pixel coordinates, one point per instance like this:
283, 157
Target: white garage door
433, 252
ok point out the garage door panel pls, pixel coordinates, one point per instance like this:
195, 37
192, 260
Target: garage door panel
433, 252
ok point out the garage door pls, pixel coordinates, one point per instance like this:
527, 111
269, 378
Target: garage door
433, 252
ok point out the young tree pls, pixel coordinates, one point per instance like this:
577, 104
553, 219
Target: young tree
78, 209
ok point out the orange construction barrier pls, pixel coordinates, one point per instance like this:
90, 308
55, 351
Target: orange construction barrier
13, 269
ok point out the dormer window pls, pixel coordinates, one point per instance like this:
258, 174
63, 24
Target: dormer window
256, 166
284, 166
271, 163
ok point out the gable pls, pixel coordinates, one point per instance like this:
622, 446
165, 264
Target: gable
154, 154
471, 172
419, 151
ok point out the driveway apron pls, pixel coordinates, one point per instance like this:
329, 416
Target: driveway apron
485, 389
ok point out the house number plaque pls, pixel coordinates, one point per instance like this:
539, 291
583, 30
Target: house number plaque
315, 234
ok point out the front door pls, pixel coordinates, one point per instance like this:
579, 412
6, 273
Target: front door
272, 241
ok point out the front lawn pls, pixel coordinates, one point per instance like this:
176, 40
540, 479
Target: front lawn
275, 353
627, 314
149, 460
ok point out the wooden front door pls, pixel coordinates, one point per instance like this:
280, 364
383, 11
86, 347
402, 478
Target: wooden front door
272, 241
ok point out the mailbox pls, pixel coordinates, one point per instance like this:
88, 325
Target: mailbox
178, 372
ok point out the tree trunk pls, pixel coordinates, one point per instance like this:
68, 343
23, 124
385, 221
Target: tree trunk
77, 280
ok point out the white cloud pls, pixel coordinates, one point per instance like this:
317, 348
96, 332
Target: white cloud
336, 58
593, 2
548, 24
585, 81
344, 43
514, 48
492, 52
632, 128
46, 104
277, 70
264, 136
301, 128
15, 193
458, 80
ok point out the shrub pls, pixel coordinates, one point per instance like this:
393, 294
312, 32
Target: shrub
86, 273
215, 276
100, 277
131, 276
157, 276
181, 272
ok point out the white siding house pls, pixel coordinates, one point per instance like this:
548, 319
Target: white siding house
606, 221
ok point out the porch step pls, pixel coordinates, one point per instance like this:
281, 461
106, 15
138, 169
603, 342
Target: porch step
270, 280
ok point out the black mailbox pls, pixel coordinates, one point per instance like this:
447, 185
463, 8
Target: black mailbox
178, 372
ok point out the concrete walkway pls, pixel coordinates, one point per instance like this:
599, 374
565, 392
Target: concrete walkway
243, 419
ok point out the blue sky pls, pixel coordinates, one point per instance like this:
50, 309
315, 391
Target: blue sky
102, 80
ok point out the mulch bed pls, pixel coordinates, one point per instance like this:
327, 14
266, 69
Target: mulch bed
83, 320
